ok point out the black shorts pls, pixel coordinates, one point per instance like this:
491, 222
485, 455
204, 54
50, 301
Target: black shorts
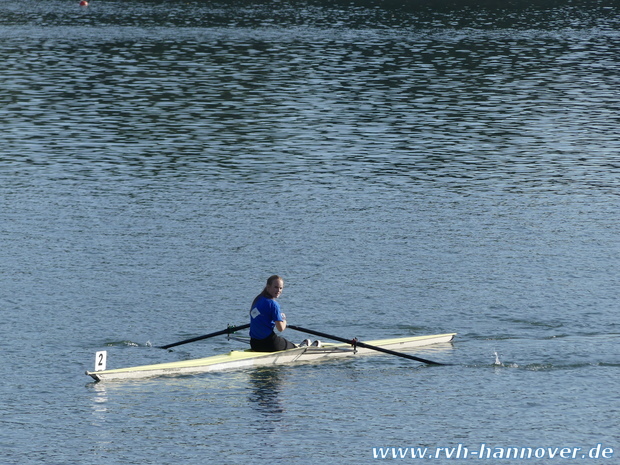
272, 343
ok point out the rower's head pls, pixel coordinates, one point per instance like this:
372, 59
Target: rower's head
274, 287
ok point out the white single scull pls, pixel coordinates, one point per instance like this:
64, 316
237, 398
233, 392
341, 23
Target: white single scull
248, 358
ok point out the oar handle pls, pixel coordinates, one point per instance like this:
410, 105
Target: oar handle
229, 330
362, 344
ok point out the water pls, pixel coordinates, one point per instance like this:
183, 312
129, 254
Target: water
409, 169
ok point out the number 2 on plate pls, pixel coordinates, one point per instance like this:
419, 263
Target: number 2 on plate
100, 360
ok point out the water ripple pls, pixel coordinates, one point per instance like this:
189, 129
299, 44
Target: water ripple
477, 108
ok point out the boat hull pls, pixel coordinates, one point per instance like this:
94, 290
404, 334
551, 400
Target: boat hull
248, 358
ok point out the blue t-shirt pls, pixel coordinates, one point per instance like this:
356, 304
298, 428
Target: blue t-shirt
263, 317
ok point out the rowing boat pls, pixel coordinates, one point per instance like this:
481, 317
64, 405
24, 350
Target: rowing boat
236, 359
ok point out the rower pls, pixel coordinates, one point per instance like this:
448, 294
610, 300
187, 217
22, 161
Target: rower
265, 316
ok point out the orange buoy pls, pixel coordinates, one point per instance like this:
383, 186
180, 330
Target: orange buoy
83, 3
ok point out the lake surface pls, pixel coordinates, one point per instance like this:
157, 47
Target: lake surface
409, 168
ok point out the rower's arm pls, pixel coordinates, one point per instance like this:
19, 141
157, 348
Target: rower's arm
281, 325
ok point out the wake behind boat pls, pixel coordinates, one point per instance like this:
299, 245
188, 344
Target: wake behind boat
248, 358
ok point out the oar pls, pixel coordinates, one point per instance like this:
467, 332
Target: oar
229, 330
362, 344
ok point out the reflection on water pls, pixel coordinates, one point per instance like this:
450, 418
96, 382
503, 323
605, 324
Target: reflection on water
265, 396
99, 399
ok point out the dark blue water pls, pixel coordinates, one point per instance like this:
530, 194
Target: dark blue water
411, 168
